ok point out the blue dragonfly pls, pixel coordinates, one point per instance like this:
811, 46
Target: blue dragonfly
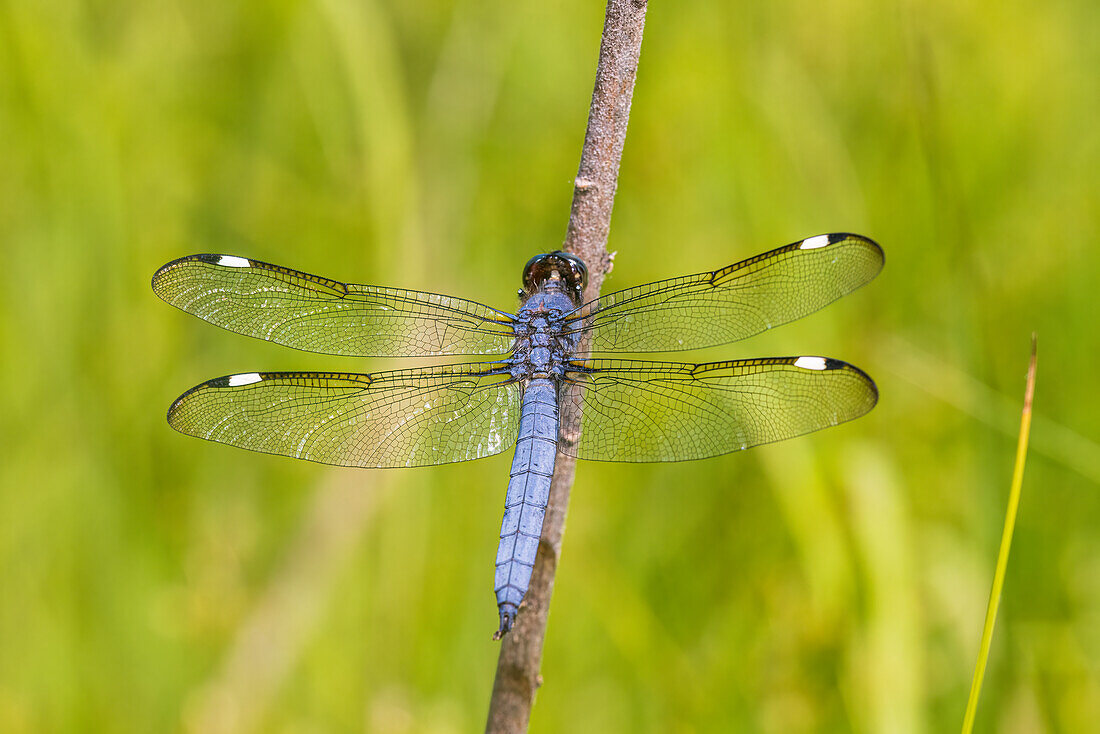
545, 389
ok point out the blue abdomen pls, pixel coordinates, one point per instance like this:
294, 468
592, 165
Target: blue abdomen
528, 493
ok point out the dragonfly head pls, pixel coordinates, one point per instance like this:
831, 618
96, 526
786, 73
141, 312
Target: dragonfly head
568, 269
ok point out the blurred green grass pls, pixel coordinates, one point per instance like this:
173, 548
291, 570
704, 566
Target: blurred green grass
833, 583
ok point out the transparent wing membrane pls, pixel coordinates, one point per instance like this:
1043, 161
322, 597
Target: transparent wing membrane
733, 303
320, 315
666, 411
414, 417
628, 410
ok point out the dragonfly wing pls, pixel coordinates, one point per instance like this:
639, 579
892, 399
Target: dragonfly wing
320, 315
733, 303
666, 411
414, 417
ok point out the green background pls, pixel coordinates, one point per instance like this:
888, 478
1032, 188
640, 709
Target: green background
150, 582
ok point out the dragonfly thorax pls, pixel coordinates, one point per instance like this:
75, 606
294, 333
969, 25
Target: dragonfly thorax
544, 340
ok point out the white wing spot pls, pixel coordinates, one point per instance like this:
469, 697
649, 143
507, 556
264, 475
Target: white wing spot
247, 379
232, 261
810, 363
812, 243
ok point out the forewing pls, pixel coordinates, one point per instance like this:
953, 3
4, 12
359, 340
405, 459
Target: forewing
415, 417
666, 411
320, 315
733, 303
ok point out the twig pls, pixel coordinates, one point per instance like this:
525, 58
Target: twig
517, 676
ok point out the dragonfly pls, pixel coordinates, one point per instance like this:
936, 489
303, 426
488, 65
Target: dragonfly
551, 382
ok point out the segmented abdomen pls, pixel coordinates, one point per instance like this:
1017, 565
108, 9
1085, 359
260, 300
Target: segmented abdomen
528, 493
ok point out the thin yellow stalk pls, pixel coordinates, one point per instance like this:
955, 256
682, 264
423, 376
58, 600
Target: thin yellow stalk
1006, 544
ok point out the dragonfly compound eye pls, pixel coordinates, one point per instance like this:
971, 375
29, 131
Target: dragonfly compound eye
570, 268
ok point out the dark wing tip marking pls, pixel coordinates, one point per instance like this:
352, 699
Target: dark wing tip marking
827, 364
838, 237
206, 258
163, 270
836, 364
226, 381
834, 238
875, 245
